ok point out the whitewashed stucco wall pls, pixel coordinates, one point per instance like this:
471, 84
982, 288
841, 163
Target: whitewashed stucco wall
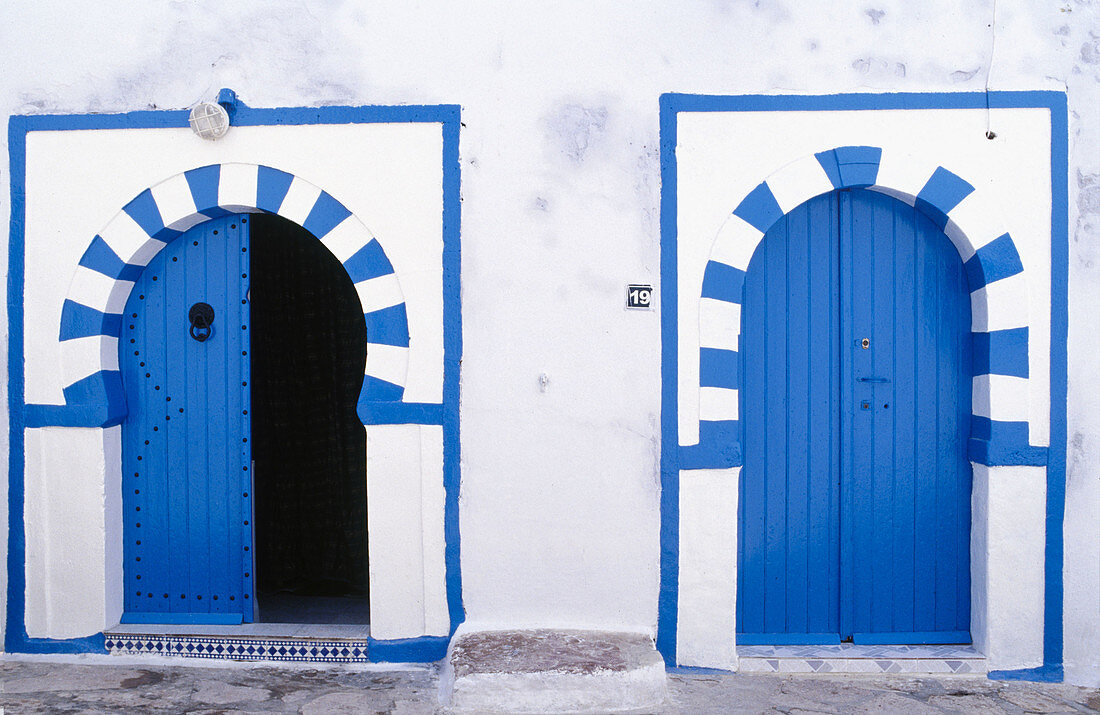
560, 184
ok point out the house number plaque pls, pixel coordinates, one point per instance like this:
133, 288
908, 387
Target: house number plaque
639, 296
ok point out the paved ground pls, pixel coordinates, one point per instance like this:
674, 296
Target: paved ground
118, 684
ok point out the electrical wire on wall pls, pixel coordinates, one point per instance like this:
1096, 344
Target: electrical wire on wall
989, 133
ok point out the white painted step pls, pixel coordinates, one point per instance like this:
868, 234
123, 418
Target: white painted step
545, 670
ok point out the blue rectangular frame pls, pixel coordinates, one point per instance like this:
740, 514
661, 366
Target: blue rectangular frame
423, 649
671, 105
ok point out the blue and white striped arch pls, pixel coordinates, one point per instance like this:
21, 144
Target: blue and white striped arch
998, 293
91, 318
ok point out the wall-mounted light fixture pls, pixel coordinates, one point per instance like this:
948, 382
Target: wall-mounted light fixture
209, 120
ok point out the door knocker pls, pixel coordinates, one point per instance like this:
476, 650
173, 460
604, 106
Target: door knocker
201, 316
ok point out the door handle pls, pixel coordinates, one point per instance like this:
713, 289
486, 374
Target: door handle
873, 379
201, 316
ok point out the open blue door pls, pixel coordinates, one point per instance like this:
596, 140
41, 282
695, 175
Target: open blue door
186, 481
855, 402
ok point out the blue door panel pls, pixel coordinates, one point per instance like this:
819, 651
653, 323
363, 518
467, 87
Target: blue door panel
854, 512
790, 413
906, 476
186, 454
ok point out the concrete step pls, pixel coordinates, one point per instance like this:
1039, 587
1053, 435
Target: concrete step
545, 670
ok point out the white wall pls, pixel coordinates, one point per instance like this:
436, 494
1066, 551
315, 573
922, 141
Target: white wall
707, 606
1007, 542
408, 593
560, 212
74, 518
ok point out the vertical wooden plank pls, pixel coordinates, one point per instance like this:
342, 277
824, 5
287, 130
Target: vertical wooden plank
167, 358
849, 413
787, 530
899, 397
234, 472
774, 355
133, 493
143, 534
831, 422
962, 466
863, 483
884, 471
925, 389
222, 359
242, 494
159, 456
198, 462
798, 399
753, 487
947, 551
823, 417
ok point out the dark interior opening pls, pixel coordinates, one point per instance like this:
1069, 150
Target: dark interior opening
308, 352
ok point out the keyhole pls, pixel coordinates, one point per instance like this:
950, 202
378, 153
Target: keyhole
865, 343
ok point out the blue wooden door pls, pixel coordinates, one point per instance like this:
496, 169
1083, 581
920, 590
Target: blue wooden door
855, 490
186, 481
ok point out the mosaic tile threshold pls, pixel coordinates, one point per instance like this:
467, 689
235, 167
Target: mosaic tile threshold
297, 649
849, 658
335, 631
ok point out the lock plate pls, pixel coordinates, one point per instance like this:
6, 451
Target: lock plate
865, 343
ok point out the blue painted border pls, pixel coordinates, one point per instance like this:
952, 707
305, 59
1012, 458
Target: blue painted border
22, 415
424, 649
1043, 674
668, 596
452, 356
671, 105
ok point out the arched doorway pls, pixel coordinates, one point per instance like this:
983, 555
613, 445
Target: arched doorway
242, 356
309, 347
855, 409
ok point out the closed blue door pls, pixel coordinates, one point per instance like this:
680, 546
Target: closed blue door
855, 402
185, 442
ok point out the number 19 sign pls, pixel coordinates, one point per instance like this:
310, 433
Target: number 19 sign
638, 296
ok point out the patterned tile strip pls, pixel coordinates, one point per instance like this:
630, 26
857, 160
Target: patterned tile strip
316, 651
876, 666
850, 658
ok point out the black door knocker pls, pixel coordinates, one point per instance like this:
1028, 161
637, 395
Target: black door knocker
201, 316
